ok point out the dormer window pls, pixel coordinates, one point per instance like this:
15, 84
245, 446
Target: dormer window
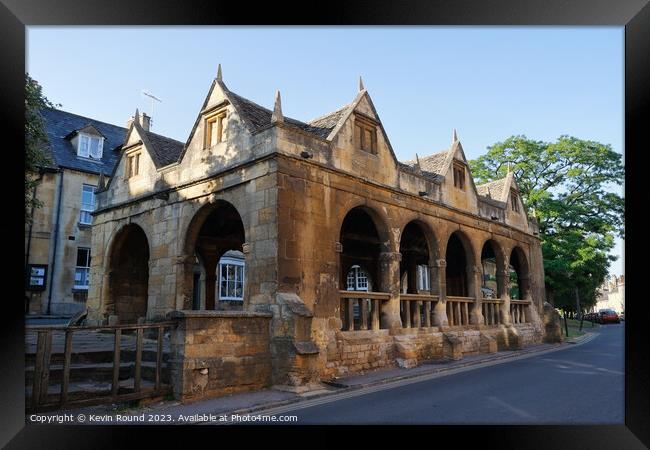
365, 135
513, 200
459, 176
132, 164
215, 125
90, 146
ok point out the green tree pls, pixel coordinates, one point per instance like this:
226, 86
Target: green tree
35, 139
567, 187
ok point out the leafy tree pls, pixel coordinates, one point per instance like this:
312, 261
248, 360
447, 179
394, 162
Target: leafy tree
567, 186
35, 139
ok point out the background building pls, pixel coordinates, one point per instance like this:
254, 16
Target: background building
612, 295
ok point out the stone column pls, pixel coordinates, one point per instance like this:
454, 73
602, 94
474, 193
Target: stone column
503, 287
184, 281
439, 271
476, 316
390, 282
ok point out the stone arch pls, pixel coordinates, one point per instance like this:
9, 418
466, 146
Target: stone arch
493, 263
215, 229
418, 247
363, 235
460, 258
520, 273
379, 219
128, 274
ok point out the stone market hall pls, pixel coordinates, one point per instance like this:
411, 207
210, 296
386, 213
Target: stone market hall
352, 260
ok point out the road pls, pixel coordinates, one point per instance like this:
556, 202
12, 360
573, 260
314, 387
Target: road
582, 384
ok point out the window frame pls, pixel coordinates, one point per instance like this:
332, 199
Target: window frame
130, 157
217, 119
82, 209
459, 175
85, 268
238, 263
87, 153
514, 203
424, 278
361, 127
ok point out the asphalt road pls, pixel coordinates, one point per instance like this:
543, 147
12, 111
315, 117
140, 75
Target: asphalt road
578, 385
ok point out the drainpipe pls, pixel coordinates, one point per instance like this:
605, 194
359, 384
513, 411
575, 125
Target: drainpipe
56, 240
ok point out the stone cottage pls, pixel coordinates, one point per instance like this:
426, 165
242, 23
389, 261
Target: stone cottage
352, 260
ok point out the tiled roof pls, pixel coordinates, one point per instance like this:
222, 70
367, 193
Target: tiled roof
492, 190
431, 166
259, 117
329, 121
59, 124
165, 150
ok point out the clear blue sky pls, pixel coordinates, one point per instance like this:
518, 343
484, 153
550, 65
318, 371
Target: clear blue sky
487, 82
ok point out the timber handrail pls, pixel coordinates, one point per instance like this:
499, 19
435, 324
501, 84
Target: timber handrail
364, 294
419, 297
460, 299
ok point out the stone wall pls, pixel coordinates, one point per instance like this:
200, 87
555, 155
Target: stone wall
358, 351
219, 352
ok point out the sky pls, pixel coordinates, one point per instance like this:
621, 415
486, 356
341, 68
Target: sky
487, 82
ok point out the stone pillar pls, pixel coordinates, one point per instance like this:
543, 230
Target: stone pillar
476, 316
439, 270
184, 281
390, 282
503, 285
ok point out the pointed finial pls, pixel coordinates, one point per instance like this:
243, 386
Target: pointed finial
509, 167
277, 109
454, 137
219, 75
101, 184
418, 168
361, 86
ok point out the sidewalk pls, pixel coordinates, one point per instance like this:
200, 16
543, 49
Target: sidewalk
245, 403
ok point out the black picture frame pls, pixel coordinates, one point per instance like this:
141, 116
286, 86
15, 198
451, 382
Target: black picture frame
634, 15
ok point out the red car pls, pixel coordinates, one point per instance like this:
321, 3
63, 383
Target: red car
608, 316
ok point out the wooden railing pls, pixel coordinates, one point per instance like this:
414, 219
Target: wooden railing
458, 309
518, 310
361, 310
42, 365
417, 310
491, 309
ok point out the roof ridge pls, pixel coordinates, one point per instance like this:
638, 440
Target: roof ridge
163, 136
309, 122
84, 117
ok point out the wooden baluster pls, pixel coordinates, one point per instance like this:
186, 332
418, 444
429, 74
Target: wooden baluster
417, 320
351, 314
450, 318
159, 355
116, 363
460, 318
466, 313
138, 360
427, 314
375, 314
41, 368
66, 367
364, 313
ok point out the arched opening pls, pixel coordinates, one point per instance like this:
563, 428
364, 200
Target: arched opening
129, 275
359, 259
491, 264
458, 257
518, 275
216, 239
414, 266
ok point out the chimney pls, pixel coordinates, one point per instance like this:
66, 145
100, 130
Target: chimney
145, 121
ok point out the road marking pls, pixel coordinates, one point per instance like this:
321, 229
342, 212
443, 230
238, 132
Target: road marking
399, 383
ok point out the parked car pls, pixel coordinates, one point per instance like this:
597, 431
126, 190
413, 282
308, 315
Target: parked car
487, 292
608, 316
622, 316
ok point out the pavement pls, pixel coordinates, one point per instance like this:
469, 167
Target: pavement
219, 410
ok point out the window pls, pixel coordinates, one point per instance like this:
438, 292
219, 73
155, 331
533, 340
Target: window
357, 279
87, 204
82, 272
513, 201
231, 279
423, 278
132, 164
459, 176
214, 129
90, 146
365, 135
